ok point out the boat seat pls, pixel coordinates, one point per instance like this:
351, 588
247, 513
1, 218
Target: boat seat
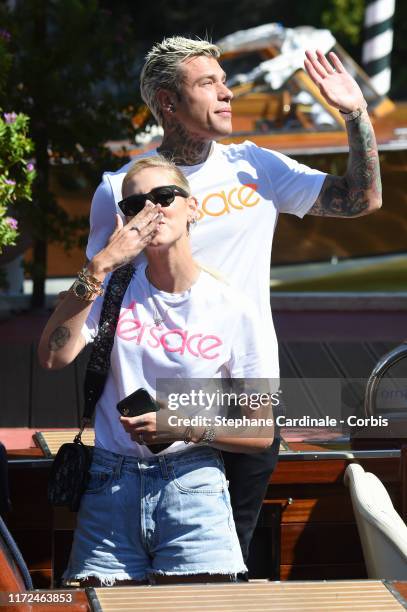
382, 531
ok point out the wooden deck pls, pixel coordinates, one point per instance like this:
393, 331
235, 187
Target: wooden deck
368, 596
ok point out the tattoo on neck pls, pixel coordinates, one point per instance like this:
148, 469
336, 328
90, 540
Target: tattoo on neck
349, 196
183, 147
59, 338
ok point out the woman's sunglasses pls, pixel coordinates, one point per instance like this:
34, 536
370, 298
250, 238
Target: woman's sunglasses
164, 195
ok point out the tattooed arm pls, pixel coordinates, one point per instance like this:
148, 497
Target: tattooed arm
359, 191
61, 341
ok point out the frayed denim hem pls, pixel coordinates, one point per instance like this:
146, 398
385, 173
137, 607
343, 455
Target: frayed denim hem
105, 580
221, 571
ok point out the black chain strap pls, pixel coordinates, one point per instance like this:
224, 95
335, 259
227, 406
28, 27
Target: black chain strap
99, 361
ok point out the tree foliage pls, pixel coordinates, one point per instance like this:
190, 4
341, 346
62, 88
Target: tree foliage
345, 19
16, 170
71, 74
16, 173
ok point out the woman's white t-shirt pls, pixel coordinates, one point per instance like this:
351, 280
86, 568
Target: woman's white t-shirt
209, 331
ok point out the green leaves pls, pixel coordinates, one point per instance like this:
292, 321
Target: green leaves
345, 17
17, 172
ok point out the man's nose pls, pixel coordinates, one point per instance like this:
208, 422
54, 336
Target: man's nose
225, 92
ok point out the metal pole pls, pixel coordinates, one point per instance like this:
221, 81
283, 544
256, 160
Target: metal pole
378, 43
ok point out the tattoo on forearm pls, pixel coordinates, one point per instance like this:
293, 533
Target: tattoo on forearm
351, 194
59, 338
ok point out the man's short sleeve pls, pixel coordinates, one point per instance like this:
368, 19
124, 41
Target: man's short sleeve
294, 186
102, 219
91, 326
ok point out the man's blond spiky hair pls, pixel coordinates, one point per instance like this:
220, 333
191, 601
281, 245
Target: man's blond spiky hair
161, 68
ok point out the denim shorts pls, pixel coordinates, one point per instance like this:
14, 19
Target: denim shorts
168, 515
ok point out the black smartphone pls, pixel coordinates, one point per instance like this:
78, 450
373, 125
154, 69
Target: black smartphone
137, 403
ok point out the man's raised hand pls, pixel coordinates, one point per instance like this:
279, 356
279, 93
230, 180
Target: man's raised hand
335, 83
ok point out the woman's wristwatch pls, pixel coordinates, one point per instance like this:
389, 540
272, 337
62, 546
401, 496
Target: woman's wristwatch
86, 287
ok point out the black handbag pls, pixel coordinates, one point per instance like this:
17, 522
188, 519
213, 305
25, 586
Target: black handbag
70, 470
69, 474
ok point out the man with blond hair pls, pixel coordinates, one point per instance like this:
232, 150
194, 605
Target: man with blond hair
241, 189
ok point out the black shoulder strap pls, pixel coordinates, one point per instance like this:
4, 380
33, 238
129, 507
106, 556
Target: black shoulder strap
99, 361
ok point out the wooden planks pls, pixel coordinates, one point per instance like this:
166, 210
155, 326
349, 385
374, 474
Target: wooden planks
51, 441
309, 505
306, 503
327, 471
312, 543
360, 596
326, 571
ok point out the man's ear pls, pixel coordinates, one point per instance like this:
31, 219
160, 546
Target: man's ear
167, 101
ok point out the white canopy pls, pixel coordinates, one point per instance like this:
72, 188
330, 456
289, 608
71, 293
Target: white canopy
291, 42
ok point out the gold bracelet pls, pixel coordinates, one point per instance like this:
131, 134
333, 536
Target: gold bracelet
88, 275
85, 276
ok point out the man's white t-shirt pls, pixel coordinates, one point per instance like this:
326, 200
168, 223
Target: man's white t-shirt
240, 190
209, 331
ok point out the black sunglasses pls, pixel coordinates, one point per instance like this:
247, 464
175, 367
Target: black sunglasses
164, 195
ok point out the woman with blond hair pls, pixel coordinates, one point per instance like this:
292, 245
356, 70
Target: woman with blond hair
165, 516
